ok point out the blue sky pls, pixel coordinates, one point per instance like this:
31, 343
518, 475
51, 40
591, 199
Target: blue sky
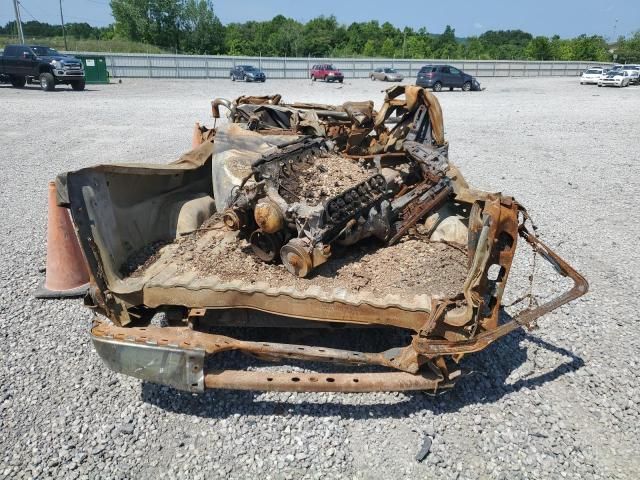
567, 18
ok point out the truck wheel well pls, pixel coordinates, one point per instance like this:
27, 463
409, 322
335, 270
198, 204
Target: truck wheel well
44, 69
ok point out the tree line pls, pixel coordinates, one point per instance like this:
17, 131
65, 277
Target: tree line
191, 26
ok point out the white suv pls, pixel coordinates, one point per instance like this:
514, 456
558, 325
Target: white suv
634, 73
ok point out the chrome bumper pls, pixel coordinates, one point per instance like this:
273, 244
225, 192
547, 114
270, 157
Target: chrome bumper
69, 74
164, 364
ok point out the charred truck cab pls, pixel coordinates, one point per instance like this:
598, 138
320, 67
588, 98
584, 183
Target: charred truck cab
301, 215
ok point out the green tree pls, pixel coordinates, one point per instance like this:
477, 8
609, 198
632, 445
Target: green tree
628, 50
285, 36
165, 18
370, 49
388, 49
418, 46
132, 19
539, 49
561, 49
319, 36
504, 44
589, 48
474, 48
445, 45
203, 31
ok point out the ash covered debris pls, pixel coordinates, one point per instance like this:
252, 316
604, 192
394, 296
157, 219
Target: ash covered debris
312, 213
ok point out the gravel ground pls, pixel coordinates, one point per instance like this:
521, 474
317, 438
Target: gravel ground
559, 402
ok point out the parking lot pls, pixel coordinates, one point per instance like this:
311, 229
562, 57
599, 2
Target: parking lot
560, 400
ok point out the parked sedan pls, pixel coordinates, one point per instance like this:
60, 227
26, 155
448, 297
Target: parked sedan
634, 73
438, 77
386, 75
615, 78
247, 73
591, 75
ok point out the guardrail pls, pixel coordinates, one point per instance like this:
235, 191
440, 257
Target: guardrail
132, 65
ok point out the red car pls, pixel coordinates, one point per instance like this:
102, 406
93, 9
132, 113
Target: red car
326, 72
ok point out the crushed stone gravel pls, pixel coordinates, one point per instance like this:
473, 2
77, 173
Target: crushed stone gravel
558, 402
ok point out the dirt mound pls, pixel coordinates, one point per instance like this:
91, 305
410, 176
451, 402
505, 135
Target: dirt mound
413, 266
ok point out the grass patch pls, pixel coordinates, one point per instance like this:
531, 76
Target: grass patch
87, 45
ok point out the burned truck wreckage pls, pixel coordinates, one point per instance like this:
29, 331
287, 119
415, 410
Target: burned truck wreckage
302, 216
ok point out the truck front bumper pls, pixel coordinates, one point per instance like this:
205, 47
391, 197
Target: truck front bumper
68, 75
175, 356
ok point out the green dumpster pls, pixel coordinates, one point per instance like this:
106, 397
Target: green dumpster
95, 68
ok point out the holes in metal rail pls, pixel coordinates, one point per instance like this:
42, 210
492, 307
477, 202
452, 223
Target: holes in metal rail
495, 273
330, 379
295, 379
492, 303
505, 241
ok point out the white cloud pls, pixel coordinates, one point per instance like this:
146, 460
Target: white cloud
477, 25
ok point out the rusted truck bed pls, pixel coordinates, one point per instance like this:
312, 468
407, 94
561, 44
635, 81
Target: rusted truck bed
297, 216
207, 268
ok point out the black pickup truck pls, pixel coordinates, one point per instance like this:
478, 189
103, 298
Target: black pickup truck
20, 64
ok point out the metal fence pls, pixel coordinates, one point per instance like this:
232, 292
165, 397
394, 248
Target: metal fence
132, 65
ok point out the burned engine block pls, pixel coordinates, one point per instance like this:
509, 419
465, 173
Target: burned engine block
386, 195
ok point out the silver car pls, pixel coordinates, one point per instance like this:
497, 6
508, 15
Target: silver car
386, 75
634, 73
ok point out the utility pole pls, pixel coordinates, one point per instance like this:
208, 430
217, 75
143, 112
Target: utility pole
18, 21
64, 32
404, 43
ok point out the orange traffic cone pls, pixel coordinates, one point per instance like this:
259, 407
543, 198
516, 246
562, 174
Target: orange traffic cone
67, 273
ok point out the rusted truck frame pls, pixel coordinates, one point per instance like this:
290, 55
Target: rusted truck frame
443, 330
